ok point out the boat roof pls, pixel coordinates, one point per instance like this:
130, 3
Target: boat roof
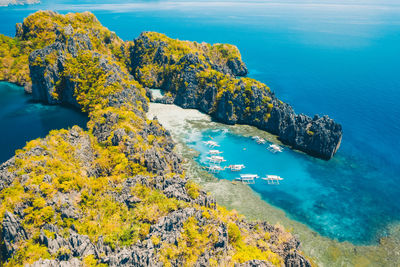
248, 175
276, 177
275, 146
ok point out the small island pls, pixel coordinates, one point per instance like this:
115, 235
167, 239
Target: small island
18, 2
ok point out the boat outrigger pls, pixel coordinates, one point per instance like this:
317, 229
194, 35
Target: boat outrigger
272, 179
259, 140
211, 143
215, 168
275, 148
247, 178
236, 167
216, 159
214, 152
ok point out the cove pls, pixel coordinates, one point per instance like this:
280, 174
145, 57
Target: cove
23, 120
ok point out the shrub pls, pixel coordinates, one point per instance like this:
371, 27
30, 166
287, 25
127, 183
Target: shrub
233, 233
193, 189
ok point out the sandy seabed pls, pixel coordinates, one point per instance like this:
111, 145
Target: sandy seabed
184, 124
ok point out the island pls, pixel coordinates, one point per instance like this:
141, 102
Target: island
116, 194
18, 2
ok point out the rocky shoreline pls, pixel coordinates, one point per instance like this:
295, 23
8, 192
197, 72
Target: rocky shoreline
196, 80
116, 194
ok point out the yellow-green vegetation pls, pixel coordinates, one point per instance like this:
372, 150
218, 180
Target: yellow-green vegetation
91, 89
104, 216
40, 29
207, 62
192, 189
245, 245
89, 172
240, 88
174, 50
14, 60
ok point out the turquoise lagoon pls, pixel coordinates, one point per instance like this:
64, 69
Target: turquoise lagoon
341, 199
340, 58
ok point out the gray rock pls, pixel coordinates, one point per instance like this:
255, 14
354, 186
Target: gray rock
7, 177
12, 233
254, 263
319, 137
73, 262
296, 260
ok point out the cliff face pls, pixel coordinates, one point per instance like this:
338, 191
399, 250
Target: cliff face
115, 194
205, 77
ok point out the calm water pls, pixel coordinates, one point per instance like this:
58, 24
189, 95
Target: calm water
22, 120
340, 58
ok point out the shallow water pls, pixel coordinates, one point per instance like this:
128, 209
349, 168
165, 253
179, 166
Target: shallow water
324, 195
23, 120
329, 57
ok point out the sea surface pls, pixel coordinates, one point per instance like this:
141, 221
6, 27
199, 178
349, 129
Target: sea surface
340, 58
22, 120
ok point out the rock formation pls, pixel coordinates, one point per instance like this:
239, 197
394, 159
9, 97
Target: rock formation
114, 194
205, 78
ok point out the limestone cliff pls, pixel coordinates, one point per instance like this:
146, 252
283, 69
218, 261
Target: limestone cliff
116, 194
205, 77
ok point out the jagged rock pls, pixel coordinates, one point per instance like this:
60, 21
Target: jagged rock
136, 256
12, 233
319, 137
165, 100
46, 74
222, 237
154, 161
7, 177
157, 155
254, 263
47, 79
73, 262
296, 260
102, 130
168, 227
131, 201
78, 245
237, 67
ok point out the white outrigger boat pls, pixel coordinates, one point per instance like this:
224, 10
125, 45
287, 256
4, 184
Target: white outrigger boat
275, 148
259, 140
236, 167
211, 143
272, 179
215, 168
247, 178
214, 152
216, 159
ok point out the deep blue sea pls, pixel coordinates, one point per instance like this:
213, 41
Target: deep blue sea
340, 58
